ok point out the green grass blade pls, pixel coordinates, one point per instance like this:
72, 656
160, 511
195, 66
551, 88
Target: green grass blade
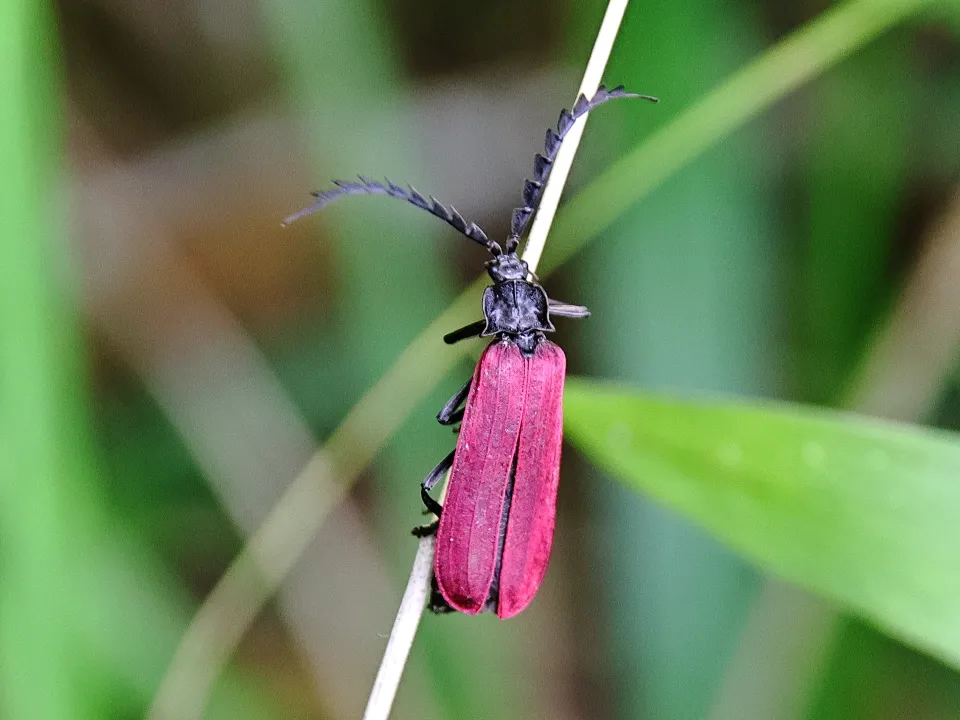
864, 512
35, 395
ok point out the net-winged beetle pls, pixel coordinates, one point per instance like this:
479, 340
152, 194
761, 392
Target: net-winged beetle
496, 525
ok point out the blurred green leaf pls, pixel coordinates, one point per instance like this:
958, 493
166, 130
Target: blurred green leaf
862, 511
857, 167
872, 677
41, 457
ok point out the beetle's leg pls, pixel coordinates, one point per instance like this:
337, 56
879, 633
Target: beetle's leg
467, 331
437, 603
430, 481
449, 415
432, 505
422, 531
563, 309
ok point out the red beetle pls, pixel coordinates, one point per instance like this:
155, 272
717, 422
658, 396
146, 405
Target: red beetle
496, 526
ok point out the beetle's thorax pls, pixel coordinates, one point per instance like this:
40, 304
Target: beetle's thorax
515, 308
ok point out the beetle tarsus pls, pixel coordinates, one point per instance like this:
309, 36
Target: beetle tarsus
437, 603
422, 531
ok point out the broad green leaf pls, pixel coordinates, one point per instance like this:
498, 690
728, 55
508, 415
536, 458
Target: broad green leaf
862, 511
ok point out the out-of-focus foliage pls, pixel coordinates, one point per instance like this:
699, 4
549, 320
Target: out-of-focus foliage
88, 616
861, 511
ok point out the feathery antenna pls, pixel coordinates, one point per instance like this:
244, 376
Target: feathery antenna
543, 163
373, 187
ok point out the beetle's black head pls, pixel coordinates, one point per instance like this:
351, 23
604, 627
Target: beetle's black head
507, 267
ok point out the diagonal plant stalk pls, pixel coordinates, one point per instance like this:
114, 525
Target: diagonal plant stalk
279, 542
413, 604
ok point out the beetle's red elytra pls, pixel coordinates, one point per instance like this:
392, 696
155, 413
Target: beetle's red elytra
500, 507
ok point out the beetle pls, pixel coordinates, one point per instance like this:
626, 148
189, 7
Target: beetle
495, 528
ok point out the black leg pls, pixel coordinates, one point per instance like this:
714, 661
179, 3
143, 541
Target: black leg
467, 331
432, 505
422, 531
429, 482
437, 603
563, 309
448, 414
